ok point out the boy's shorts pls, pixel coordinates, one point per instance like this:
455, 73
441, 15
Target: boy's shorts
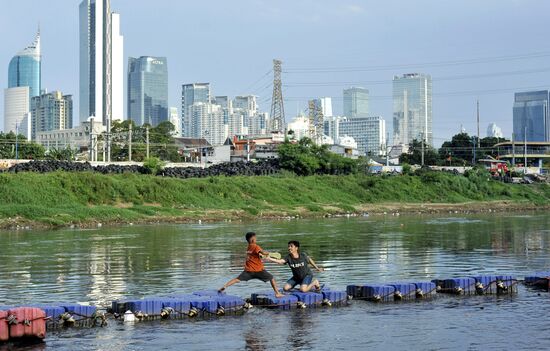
264, 276
295, 281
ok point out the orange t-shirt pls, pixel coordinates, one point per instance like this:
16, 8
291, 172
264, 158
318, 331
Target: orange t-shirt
253, 261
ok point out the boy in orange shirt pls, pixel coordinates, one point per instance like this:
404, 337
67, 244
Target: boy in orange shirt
254, 267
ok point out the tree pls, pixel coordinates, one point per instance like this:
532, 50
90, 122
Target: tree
414, 156
460, 149
307, 158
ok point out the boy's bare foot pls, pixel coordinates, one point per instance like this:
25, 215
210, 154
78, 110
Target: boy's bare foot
278, 295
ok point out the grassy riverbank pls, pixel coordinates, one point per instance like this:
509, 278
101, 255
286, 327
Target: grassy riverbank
59, 199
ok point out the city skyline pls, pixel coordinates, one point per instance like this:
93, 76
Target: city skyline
454, 92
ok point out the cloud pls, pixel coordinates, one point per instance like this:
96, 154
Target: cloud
353, 8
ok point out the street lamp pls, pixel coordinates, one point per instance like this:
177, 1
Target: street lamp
206, 132
16, 141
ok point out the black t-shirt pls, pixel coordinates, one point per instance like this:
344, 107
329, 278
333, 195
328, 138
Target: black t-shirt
299, 266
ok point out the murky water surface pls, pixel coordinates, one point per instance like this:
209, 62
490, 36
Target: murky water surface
98, 266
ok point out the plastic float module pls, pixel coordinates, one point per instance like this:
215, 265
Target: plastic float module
307, 299
269, 300
372, 292
459, 286
539, 279
27, 323
4, 327
331, 297
425, 290
403, 291
495, 284
226, 303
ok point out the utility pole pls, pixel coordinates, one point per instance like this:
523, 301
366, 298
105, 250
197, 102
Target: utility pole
108, 140
91, 139
513, 151
16, 140
247, 148
525, 150
474, 153
478, 142
387, 150
147, 140
422, 149
130, 142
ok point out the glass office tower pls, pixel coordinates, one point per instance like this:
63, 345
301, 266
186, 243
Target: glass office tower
356, 102
412, 108
25, 69
531, 120
148, 90
191, 94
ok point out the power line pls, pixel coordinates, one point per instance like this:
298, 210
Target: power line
447, 94
444, 78
420, 65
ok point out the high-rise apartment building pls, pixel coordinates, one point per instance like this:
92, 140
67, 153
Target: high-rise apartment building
25, 68
147, 90
191, 94
368, 132
16, 110
101, 65
412, 108
531, 119
206, 121
246, 102
51, 111
356, 102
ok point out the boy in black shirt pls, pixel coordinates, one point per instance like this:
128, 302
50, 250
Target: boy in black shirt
299, 264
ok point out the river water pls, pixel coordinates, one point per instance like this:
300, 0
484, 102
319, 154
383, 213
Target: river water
103, 264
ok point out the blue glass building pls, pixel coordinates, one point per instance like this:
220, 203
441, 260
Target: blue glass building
25, 69
148, 90
531, 118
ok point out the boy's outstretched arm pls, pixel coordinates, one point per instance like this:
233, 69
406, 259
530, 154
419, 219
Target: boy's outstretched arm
280, 261
319, 269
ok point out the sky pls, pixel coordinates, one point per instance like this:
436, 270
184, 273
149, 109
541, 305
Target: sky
474, 50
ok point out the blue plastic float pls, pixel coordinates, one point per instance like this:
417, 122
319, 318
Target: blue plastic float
495, 284
539, 279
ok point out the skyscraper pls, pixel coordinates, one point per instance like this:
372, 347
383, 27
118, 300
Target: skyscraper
191, 94
356, 102
51, 111
531, 117
147, 90
412, 108
324, 105
16, 109
25, 68
101, 55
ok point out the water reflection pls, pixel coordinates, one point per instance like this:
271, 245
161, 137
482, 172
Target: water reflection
98, 266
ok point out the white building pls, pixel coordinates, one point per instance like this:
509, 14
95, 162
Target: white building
494, 131
175, 120
324, 105
77, 138
16, 109
368, 132
299, 126
206, 121
101, 62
